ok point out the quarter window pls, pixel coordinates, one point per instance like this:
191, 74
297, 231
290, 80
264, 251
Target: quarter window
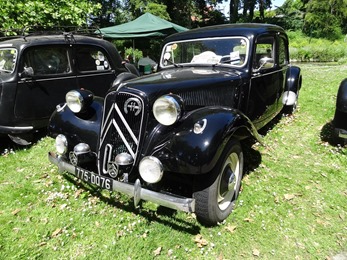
48, 60
91, 59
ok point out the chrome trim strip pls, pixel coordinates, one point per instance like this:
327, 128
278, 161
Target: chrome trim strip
126, 124
123, 138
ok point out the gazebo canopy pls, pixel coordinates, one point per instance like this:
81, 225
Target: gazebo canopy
147, 25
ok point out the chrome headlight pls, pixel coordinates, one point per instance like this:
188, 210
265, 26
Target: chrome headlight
151, 169
167, 109
77, 100
61, 144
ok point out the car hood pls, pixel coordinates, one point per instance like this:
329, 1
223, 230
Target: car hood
184, 80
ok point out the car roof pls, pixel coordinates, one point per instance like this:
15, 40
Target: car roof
241, 29
64, 38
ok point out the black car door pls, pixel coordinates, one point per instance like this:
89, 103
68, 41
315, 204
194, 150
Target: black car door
267, 81
94, 69
53, 76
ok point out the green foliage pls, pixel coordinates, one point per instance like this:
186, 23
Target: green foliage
303, 48
136, 54
17, 14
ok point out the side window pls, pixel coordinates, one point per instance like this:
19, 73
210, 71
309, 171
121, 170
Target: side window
91, 59
283, 55
48, 60
264, 53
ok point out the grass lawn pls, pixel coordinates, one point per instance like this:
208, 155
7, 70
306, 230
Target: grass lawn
293, 203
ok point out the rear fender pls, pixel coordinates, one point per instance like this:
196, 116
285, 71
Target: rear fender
293, 85
340, 116
195, 145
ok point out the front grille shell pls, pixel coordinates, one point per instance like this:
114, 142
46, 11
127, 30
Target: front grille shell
122, 127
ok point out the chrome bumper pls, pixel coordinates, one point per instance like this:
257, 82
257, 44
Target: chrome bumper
134, 190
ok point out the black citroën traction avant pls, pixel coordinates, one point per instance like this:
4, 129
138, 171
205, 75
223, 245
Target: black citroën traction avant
181, 126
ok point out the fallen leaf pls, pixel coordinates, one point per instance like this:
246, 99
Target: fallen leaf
200, 241
289, 196
63, 206
15, 212
157, 251
256, 252
57, 232
231, 229
248, 220
78, 193
43, 244
170, 252
120, 233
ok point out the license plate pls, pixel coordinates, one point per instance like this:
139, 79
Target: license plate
93, 178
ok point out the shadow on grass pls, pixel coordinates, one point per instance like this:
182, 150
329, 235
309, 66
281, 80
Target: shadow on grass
252, 157
327, 135
7, 145
163, 215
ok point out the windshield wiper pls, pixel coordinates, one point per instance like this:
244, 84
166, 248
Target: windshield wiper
3, 70
175, 64
225, 61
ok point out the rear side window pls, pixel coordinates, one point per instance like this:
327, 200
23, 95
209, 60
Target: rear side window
90, 58
48, 60
283, 55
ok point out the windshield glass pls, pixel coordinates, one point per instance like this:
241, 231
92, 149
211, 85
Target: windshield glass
232, 51
8, 57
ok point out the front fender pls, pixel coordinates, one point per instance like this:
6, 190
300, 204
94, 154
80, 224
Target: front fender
190, 152
78, 128
341, 99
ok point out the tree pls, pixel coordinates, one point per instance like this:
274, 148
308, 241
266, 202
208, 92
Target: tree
324, 18
17, 14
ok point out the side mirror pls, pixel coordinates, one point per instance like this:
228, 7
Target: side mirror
28, 72
265, 63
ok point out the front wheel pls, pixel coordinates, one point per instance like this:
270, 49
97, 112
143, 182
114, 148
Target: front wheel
214, 203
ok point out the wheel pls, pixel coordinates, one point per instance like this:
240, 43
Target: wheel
215, 201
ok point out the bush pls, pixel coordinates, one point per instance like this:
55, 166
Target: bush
303, 48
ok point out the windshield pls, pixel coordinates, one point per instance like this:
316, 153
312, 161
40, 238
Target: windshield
8, 57
232, 51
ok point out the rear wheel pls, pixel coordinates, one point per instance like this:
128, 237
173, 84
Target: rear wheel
215, 202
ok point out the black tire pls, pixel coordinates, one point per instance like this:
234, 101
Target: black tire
214, 203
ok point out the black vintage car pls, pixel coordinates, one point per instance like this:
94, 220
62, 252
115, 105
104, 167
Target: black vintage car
173, 137
37, 70
340, 117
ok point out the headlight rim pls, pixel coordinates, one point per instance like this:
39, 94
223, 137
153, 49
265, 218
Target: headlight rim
157, 163
82, 97
176, 102
61, 147
79, 99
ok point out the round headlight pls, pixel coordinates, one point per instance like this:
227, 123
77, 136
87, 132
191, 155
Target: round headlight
151, 169
77, 100
74, 101
167, 109
61, 144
